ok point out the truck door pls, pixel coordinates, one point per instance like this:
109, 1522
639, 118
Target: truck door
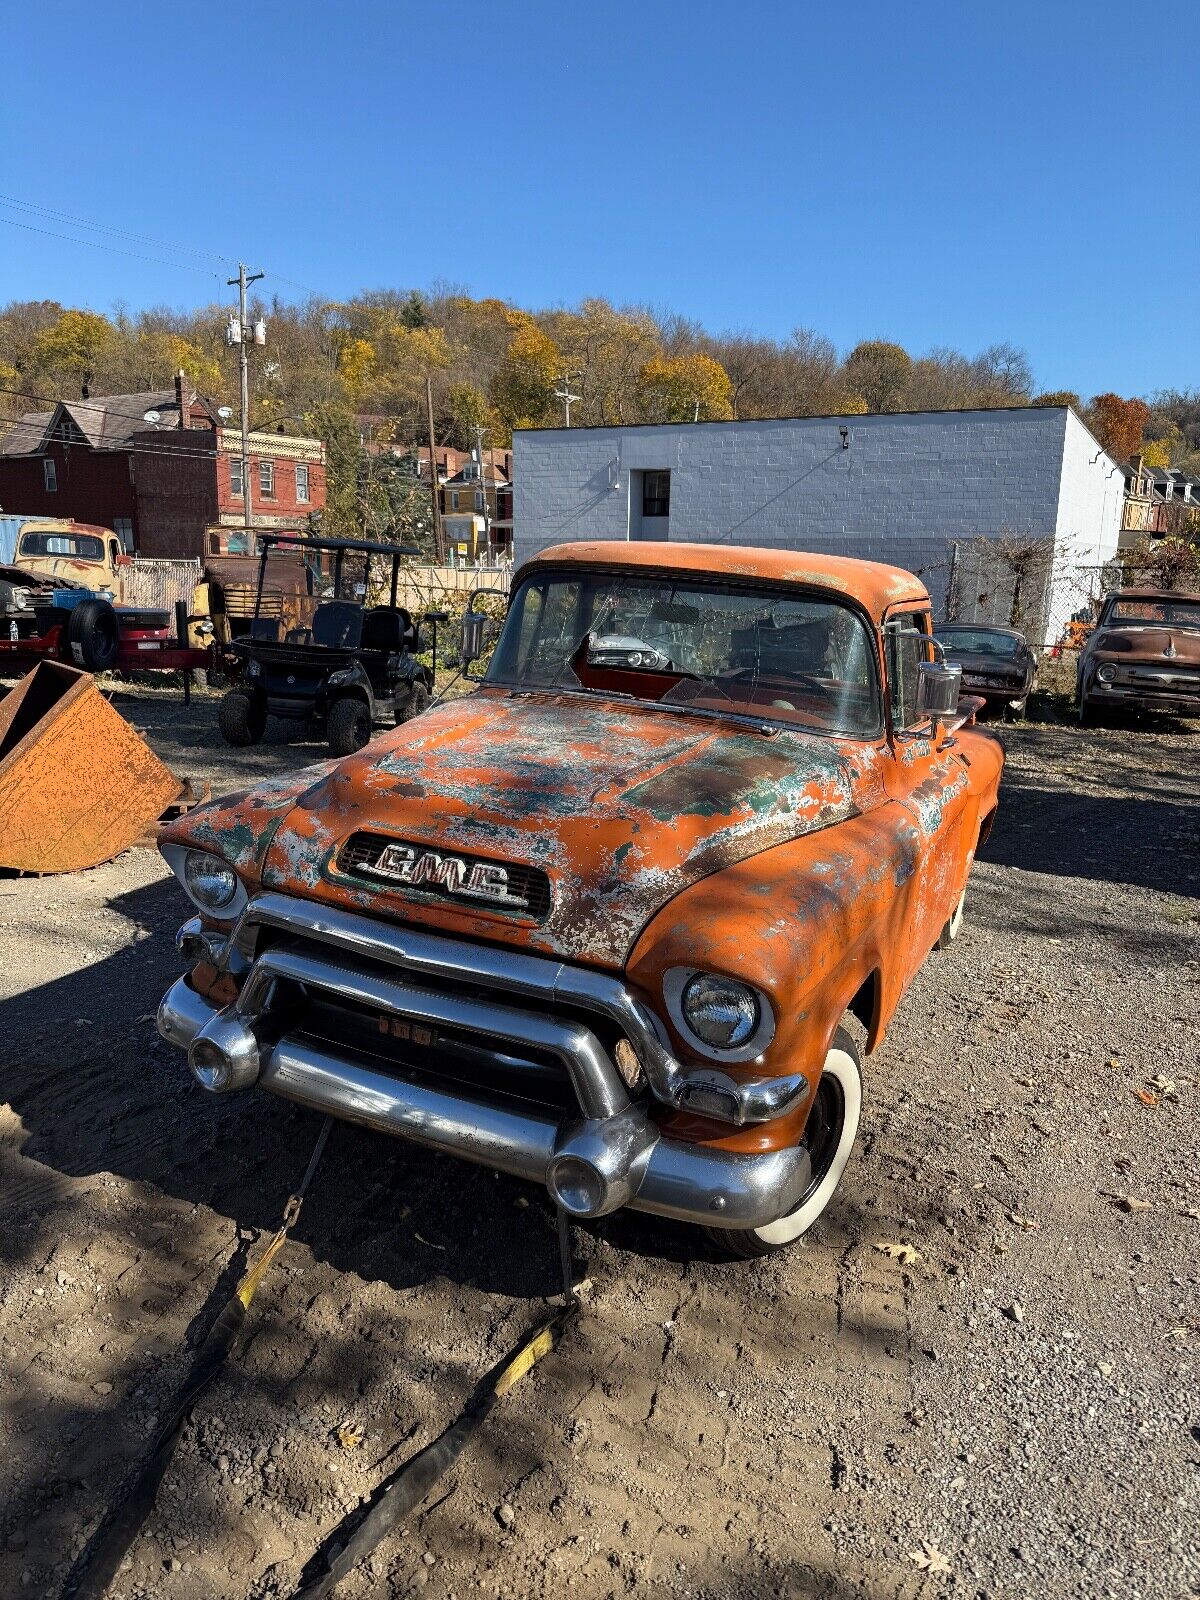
928, 777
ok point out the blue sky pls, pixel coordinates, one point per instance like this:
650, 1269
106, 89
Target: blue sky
953, 173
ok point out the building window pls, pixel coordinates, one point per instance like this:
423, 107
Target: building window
479, 499
49, 475
266, 479
235, 476
656, 494
454, 499
302, 481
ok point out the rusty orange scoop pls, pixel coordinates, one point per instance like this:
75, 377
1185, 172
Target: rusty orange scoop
77, 784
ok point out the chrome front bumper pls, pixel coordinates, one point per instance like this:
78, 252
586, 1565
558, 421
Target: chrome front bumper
606, 1154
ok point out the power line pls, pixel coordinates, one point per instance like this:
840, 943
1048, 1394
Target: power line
97, 244
101, 227
48, 212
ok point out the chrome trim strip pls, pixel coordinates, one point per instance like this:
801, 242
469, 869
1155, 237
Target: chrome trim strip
531, 977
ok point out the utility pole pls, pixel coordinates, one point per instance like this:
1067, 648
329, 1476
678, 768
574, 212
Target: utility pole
479, 430
244, 334
439, 541
564, 394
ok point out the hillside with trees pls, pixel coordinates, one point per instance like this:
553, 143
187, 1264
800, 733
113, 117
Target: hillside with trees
357, 369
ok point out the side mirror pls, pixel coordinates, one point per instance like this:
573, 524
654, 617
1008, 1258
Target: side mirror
474, 629
937, 689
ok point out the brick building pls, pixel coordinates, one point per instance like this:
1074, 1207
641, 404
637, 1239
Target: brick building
159, 468
924, 490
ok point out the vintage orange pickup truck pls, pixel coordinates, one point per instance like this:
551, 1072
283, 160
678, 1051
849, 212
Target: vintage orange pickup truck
601, 922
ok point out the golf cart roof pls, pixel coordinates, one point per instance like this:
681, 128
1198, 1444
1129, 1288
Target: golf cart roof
306, 541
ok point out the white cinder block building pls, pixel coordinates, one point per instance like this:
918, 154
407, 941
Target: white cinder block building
917, 489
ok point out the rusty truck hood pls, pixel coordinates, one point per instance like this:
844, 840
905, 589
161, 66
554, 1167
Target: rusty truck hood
1151, 641
619, 806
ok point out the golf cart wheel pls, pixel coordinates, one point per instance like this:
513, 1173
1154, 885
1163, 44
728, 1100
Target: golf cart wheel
348, 726
953, 925
418, 701
242, 718
829, 1135
93, 635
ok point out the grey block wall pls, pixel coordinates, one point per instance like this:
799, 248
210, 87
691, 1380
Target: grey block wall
907, 487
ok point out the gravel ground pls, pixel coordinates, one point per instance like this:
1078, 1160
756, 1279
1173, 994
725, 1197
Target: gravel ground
1005, 1408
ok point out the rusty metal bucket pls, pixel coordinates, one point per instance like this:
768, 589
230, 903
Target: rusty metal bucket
77, 784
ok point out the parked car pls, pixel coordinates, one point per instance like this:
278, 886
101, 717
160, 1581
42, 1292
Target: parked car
1144, 654
603, 927
997, 663
353, 666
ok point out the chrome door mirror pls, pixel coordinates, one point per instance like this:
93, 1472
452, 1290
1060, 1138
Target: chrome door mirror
474, 633
937, 689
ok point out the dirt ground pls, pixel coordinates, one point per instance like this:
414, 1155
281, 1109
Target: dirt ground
1008, 1410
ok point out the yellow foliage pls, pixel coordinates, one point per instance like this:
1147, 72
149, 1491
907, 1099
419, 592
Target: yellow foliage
686, 389
356, 362
1157, 452
853, 406
204, 371
73, 343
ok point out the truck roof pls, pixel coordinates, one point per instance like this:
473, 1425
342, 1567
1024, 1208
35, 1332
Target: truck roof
873, 584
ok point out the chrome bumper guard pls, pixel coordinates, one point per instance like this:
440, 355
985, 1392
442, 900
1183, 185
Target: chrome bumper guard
609, 1156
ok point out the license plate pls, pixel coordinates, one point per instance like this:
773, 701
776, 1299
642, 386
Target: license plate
149, 644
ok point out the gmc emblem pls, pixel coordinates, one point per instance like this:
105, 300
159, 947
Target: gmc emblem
479, 880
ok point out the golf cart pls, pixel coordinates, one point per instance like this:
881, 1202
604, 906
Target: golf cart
352, 664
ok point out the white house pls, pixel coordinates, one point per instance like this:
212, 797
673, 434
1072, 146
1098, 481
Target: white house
917, 489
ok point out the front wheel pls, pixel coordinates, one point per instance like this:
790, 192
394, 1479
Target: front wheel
829, 1135
242, 718
348, 726
953, 925
418, 701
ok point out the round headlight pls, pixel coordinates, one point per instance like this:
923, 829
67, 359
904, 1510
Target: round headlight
1106, 674
209, 881
253, 669
20, 599
721, 1011
635, 658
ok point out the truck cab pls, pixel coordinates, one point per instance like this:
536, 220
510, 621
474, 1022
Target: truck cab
83, 553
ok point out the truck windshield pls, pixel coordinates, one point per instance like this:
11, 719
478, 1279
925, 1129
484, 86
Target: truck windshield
777, 655
1135, 613
82, 546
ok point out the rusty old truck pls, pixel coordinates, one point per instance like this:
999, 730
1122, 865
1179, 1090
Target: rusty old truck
603, 922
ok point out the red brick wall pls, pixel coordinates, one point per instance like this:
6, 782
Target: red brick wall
92, 487
283, 503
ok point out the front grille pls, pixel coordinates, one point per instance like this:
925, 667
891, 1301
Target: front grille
419, 869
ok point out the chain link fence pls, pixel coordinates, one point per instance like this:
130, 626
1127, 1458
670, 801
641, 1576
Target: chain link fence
159, 584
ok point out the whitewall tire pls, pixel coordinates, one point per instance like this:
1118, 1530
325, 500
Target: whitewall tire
953, 924
829, 1133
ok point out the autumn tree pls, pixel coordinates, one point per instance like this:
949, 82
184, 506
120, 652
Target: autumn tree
1118, 424
689, 388
73, 345
522, 390
878, 371
467, 409
1058, 397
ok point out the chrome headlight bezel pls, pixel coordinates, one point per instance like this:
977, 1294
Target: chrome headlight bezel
1106, 672
179, 856
675, 984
